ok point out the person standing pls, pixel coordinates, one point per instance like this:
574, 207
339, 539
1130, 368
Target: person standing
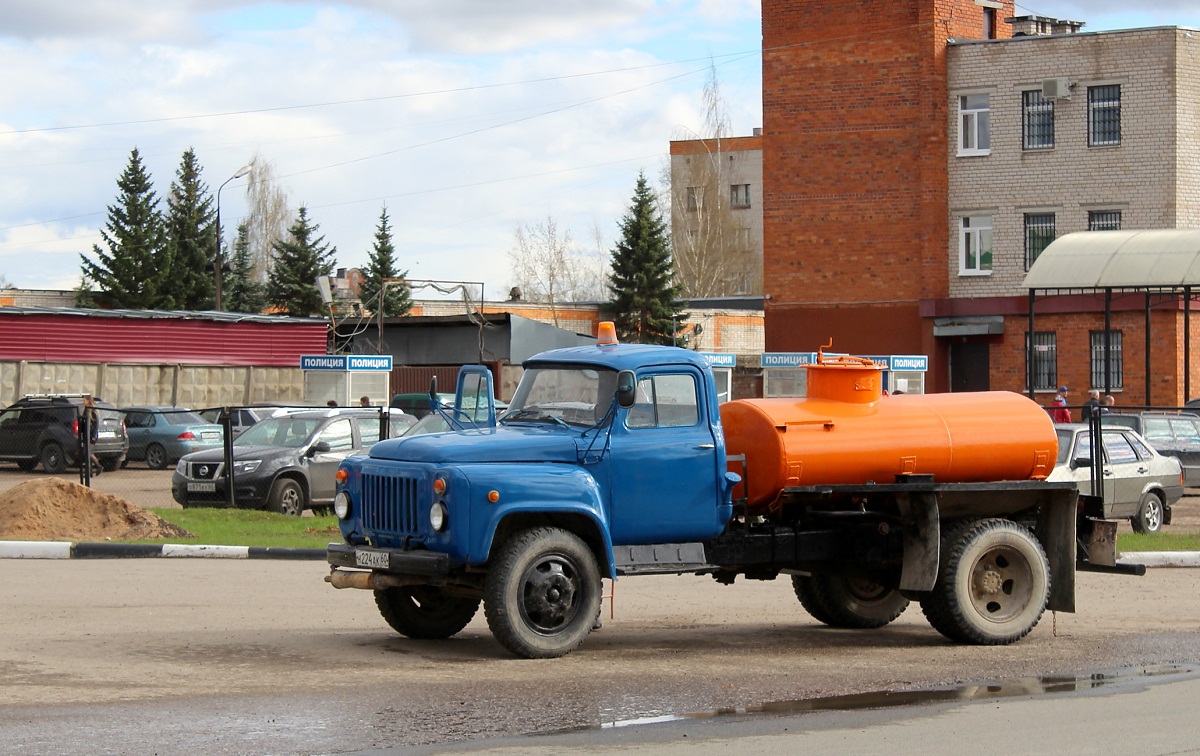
1092, 405
364, 401
1059, 412
89, 433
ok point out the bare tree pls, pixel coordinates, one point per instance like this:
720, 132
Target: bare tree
713, 255
267, 218
548, 267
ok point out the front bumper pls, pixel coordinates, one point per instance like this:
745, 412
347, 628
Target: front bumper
433, 565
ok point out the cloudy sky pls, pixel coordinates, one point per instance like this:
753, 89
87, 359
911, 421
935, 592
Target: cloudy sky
465, 118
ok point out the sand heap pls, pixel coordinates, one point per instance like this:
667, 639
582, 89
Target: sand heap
53, 509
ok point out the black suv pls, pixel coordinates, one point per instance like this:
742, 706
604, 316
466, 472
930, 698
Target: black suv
45, 428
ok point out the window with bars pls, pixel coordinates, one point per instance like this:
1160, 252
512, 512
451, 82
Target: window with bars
693, 198
1044, 356
1037, 123
974, 119
1104, 220
1039, 232
739, 195
1104, 115
1116, 379
975, 245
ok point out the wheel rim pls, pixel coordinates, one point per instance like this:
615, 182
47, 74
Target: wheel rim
155, 457
289, 500
549, 589
866, 591
1154, 514
1001, 584
51, 458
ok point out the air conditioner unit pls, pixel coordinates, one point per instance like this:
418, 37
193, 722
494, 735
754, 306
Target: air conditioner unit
1056, 89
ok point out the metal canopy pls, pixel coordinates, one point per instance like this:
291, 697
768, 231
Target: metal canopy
1118, 260
1153, 262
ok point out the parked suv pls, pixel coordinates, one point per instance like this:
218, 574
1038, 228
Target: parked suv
1168, 433
45, 428
285, 463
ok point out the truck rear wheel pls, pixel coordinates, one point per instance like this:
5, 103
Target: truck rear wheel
840, 601
992, 585
542, 593
424, 612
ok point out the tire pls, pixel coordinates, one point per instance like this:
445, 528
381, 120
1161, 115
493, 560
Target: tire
156, 457
286, 497
54, 461
1150, 514
424, 612
27, 465
992, 585
542, 593
111, 464
855, 603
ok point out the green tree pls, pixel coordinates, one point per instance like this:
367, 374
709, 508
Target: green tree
646, 304
381, 264
189, 283
128, 273
298, 261
241, 291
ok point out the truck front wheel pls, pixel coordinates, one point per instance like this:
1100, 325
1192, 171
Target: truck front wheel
992, 584
840, 601
424, 612
542, 593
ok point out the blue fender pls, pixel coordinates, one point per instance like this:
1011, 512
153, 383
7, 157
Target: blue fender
558, 492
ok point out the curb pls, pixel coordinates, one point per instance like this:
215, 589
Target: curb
70, 550
1162, 558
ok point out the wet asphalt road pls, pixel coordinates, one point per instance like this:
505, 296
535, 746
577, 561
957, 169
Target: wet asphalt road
172, 656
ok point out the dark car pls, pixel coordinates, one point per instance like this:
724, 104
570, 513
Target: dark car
45, 428
161, 435
285, 463
1171, 434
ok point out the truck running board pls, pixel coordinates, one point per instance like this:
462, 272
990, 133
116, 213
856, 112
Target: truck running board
661, 559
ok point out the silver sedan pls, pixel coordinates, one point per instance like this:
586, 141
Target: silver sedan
1139, 484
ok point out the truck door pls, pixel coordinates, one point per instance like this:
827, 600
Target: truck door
663, 474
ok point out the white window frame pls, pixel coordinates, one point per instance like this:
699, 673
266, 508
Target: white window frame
974, 124
1104, 115
1037, 121
1104, 220
975, 233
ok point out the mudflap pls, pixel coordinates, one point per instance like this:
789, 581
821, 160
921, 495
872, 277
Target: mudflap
1056, 531
922, 540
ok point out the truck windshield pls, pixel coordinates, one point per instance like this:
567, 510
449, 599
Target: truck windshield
574, 395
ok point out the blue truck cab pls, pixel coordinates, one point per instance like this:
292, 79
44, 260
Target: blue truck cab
612, 445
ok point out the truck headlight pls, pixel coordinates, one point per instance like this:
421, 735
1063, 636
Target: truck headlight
437, 516
341, 505
246, 466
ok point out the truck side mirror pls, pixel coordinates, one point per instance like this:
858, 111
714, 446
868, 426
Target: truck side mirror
320, 447
1081, 462
626, 388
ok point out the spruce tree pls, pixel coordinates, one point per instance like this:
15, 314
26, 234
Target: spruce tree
299, 260
381, 264
646, 300
128, 273
241, 292
189, 279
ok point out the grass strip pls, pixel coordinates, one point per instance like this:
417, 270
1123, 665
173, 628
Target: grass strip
250, 527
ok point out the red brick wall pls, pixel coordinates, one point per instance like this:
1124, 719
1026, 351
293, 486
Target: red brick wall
1073, 336
854, 160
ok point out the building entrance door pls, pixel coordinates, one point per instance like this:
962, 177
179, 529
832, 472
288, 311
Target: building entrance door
969, 366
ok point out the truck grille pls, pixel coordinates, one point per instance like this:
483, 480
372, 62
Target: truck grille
390, 503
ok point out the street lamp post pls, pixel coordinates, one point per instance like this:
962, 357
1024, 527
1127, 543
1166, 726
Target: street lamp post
219, 262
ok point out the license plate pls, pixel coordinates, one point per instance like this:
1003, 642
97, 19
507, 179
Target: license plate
202, 487
210, 436
374, 559
106, 434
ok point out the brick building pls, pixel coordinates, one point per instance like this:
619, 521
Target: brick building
918, 155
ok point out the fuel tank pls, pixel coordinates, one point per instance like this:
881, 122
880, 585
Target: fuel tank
848, 431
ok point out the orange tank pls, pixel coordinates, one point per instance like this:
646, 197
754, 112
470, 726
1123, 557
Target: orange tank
847, 431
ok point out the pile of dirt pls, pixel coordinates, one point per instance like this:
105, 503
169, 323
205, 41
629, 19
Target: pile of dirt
53, 509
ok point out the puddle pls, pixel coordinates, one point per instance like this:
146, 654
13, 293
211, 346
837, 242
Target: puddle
980, 691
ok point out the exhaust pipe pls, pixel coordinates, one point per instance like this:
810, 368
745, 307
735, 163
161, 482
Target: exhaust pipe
369, 581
